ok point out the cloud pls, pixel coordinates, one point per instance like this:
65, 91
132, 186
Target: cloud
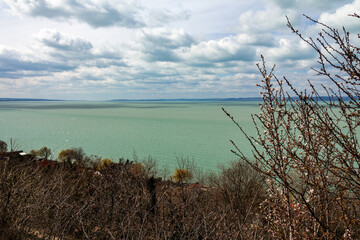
160, 44
56, 52
54, 39
341, 17
266, 21
164, 45
121, 13
261, 39
172, 39
290, 50
13, 64
76, 51
95, 13
223, 50
161, 17
309, 4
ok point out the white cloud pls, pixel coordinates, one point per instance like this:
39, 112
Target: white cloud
97, 13
15, 64
93, 12
159, 44
223, 50
290, 50
160, 17
266, 21
304, 4
341, 17
264, 40
54, 39
66, 47
163, 37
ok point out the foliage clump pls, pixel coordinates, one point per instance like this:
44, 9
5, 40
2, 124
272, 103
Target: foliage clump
3, 146
66, 155
43, 152
182, 175
137, 169
73, 156
105, 163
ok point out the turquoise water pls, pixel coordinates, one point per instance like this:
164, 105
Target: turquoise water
163, 130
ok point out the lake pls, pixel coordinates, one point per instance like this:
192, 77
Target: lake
165, 131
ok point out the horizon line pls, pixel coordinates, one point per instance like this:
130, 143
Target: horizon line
128, 100
156, 99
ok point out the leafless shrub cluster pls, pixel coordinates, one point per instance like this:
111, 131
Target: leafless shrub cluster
241, 188
44, 199
307, 146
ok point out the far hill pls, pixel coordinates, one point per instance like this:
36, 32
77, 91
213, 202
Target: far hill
189, 99
28, 99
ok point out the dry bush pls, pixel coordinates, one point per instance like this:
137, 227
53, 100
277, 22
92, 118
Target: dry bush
14, 145
149, 166
63, 201
43, 152
3, 146
181, 175
307, 146
241, 187
105, 163
188, 164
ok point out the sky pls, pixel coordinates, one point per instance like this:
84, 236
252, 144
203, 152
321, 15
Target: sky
141, 49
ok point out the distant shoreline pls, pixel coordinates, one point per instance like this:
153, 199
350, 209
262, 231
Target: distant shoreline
188, 100
136, 100
248, 99
29, 100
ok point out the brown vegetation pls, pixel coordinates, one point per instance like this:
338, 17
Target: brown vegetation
70, 201
307, 146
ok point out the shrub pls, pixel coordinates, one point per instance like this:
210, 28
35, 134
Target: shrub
181, 175
241, 187
137, 169
33, 152
3, 146
74, 156
105, 163
43, 152
307, 145
66, 155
